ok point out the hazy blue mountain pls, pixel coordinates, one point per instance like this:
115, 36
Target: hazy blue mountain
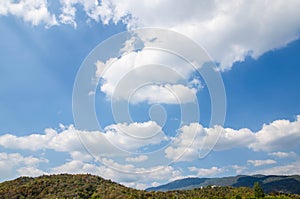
270, 183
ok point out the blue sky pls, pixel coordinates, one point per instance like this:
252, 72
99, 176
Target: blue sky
43, 47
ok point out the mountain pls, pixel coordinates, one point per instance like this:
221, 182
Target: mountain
94, 187
89, 186
62, 186
271, 183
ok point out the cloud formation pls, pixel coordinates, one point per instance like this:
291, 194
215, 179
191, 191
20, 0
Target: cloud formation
128, 168
229, 31
151, 76
10, 163
35, 12
278, 135
126, 136
138, 180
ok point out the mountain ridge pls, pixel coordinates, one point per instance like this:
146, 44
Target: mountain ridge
270, 183
95, 187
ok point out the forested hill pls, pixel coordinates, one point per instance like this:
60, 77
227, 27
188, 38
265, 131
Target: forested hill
90, 186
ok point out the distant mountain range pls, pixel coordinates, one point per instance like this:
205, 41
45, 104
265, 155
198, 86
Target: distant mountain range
269, 183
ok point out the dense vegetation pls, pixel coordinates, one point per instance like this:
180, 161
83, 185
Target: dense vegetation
89, 186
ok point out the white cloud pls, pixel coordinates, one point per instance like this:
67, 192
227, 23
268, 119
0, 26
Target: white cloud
37, 11
238, 169
206, 172
258, 163
138, 179
96, 145
139, 158
124, 136
33, 11
230, 138
95, 10
280, 154
30, 171
194, 137
169, 94
288, 169
135, 135
185, 145
68, 13
191, 139
229, 30
81, 155
151, 76
278, 135
119, 141
75, 166
16, 158
31, 142
10, 163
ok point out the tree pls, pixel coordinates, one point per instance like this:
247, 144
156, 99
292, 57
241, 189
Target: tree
258, 191
238, 197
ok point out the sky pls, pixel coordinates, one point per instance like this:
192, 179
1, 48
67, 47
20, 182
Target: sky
147, 92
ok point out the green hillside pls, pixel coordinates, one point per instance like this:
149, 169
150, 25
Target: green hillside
89, 186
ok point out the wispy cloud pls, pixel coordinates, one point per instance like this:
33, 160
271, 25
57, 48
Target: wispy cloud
258, 163
206, 172
280, 154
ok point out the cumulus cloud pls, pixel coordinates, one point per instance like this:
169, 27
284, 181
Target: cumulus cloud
185, 146
191, 139
229, 31
258, 163
169, 94
138, 179
95, 10
151, 76
37, 12
33, 11
30, 171
278, 135
125, 136
24, 165
194, 137
33, 141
